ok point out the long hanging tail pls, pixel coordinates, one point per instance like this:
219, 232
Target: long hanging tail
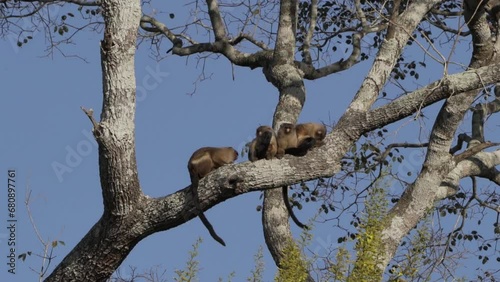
284, 189
201, 215
211, 229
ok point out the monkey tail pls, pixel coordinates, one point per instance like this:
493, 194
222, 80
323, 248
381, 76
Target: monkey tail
284, 189
201, 215
210, 228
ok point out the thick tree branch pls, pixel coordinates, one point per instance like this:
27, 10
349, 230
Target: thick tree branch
310, 32
284, 52
480, 164
473, 150
116, 134
389, 52
420, 197
448, 86
218, 25
283, 74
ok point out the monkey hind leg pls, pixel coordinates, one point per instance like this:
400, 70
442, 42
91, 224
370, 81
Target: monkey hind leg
284, 189
210, 228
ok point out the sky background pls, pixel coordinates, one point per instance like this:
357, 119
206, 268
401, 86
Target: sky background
44, 125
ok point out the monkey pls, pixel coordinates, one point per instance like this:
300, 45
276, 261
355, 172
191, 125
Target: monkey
264, 145
288, 142
293, 142
308, 135
311, 129
201, 163
297, 140
287, 138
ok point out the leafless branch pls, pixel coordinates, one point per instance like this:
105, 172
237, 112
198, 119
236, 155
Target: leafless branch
312, 25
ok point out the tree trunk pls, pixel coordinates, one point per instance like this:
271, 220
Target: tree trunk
109, 241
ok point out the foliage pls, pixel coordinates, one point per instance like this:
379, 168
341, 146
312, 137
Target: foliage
293, 267
369, 243
258, 271
416, 257
192, 266
340, 267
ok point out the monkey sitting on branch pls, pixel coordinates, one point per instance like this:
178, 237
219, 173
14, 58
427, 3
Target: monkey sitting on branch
297, 140
264, 144
201, 163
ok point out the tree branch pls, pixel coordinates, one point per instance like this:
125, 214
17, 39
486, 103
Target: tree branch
473, 150
481, 164
218, 25
310, 32
389, 52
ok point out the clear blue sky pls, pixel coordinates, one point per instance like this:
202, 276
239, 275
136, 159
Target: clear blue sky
43, 123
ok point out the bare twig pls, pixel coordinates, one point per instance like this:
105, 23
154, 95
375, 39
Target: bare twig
89, 114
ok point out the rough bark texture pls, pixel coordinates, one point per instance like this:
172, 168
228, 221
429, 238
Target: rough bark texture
288, 79
109, 241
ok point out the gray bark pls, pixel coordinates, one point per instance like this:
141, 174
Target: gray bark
288, 79
109, 241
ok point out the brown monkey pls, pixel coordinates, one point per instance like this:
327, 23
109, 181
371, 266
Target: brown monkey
264, 145
293, 142
311, 129
201, 163
287, 138
288, 143
308, 135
